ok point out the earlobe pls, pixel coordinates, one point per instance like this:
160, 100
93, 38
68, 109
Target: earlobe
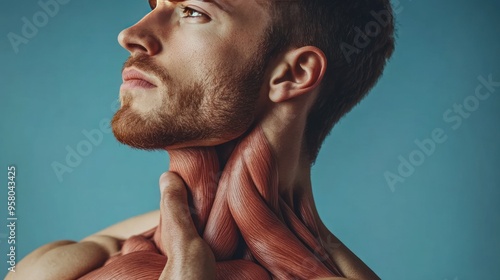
300, 71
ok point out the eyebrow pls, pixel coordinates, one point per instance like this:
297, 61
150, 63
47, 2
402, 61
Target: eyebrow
215, 2
218, 4
228, 6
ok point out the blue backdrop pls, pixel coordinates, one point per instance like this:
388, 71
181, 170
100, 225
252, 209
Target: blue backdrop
409, 180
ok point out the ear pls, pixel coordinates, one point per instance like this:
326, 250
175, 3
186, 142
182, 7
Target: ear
300, 71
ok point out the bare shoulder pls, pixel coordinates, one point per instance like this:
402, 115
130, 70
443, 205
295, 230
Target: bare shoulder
25, 265
350, 264
95, 248
132, 226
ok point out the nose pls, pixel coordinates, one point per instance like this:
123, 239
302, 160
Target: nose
141, 38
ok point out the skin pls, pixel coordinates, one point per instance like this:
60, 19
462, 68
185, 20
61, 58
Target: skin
201, 48
190, 57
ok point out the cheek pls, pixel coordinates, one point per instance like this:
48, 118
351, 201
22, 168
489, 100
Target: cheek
187, 60
203, 57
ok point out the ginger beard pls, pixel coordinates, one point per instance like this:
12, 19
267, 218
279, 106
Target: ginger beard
214, 109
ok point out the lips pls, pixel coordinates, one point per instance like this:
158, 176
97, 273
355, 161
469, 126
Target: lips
135, 79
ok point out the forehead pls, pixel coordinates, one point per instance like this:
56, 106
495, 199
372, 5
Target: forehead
244, 10
227, 3
235, 4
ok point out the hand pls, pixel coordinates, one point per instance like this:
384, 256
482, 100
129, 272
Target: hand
189, 256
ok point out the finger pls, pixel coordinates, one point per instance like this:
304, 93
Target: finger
177, 227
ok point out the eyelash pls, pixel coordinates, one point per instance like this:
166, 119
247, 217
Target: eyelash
187, 10
152, 4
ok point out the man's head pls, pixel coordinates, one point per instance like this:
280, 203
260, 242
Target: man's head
206, 68
215, 65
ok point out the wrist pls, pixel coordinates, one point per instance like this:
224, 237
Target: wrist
191, 260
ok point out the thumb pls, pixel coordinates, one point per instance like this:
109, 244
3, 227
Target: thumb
177, 227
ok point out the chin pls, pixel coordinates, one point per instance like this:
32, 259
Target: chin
230, 140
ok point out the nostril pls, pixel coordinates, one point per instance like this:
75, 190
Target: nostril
150, 44
136, 47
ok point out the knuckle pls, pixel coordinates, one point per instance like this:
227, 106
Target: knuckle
167, 178
199, 246
170, 180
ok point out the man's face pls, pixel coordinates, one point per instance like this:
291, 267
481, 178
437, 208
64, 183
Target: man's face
194, 74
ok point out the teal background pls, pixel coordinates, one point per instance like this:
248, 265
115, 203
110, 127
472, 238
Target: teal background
442, 222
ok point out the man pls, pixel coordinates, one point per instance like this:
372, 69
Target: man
204, 73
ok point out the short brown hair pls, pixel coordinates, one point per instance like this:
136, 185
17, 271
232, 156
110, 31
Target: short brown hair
357, 37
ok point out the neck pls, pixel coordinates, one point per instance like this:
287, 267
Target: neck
260, 185
283, 130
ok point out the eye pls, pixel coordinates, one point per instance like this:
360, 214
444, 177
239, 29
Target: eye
152, 4
187, 12
192, 13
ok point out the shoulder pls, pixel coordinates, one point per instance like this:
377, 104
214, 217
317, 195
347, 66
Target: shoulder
106, 241
132, 226
23, 268
351, 265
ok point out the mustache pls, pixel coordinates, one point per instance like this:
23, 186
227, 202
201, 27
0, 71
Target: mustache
147, 64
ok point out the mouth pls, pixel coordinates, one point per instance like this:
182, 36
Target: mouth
133, 78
